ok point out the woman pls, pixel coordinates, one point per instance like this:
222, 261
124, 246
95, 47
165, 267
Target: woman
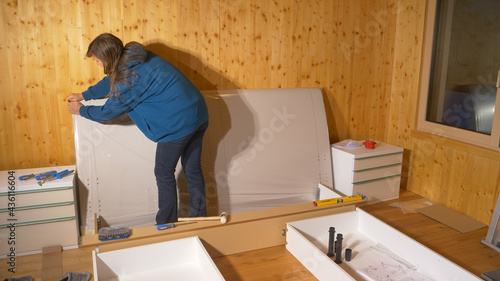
163, 104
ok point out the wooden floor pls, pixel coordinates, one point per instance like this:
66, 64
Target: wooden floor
277, 264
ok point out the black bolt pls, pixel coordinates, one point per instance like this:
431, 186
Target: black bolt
330, 242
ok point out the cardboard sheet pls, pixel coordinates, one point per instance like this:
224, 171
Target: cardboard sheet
52, 263
451, 218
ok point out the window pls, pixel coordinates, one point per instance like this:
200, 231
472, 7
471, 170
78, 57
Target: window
460, 71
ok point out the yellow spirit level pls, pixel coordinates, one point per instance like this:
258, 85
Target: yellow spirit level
338, 200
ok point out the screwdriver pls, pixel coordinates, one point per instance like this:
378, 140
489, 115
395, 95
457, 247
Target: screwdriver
37, 176
171, 225
55, 176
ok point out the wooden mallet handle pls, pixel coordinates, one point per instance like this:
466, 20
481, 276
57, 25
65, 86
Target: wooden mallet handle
222, 218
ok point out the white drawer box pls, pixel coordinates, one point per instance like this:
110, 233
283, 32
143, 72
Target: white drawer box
39, 199
375, 173
380, 189
31, 238
182, 259
35, 216
371, 241
368, 162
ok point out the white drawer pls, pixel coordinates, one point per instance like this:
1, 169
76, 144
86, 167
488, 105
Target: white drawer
181, 259
371, 241
362, 163
38, 199
32, 238
377, 173
38, 215
379, 190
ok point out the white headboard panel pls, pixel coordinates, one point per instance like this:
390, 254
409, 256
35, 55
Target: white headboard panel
264, 148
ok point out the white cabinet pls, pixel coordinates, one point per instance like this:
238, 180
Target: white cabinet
34, 216
374, 173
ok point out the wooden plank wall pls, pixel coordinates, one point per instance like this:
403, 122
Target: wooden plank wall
365, 55
463, 177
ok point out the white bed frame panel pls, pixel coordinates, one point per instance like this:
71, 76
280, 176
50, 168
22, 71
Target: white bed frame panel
264, 148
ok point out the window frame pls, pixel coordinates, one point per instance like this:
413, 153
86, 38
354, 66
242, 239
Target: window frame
488, 141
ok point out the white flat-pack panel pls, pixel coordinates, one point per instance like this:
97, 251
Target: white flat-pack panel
270, 147
182, 259
263, 148
374, 244
326, 193
115, 163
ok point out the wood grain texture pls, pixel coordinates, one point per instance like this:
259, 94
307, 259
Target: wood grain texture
459, 176
364, 54
344, 47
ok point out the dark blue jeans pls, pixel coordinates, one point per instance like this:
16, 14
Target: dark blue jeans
188, 149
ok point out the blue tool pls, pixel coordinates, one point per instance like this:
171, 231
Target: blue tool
64, 173
27, 177
171, 225
45, 175
55, 176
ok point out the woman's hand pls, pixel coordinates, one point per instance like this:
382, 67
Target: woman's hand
74, 107
74, 97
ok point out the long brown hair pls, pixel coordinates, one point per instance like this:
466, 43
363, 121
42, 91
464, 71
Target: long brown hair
116, 58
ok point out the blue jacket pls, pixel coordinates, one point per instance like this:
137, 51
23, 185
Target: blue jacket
162, 102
